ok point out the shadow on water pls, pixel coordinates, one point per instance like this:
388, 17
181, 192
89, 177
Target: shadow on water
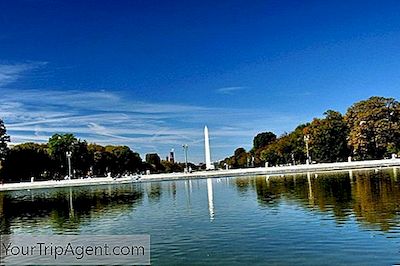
65, 209
373, 197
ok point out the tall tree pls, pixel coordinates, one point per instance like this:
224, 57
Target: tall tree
4, 138
374, 127
287, 149
260, 143
81, 158
172, 167
125, 160
328, 138
33, 157
239, 159
263, 139
59, 144
99, 159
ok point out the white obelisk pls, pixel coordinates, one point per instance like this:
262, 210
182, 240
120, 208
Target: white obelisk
207, 149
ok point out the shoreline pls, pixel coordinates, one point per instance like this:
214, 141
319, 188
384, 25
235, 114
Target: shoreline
270, 171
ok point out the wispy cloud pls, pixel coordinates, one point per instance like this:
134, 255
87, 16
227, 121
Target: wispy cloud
229, 90
12, 72
111, 117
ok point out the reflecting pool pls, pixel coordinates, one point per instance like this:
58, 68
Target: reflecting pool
339, 218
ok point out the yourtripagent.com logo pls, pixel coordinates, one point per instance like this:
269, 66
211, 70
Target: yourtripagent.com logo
75, 250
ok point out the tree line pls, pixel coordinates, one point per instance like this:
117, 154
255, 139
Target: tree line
370, 129
49, 160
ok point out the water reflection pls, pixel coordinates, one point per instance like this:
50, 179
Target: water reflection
210, 198
351, 176
372, 196
188, 191
71, 204
310, 193
64, 210
154, 192
242, 185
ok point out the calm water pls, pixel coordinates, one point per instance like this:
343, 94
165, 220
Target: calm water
337, 218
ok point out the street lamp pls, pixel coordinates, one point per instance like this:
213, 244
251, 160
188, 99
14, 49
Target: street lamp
185, 150
69, 154
307, 139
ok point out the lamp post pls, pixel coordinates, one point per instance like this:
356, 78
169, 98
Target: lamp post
185, 150
307, 139
69, 154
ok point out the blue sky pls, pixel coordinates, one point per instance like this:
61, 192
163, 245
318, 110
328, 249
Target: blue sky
151, 74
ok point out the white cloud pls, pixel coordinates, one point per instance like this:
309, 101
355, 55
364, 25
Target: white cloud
12, 72
229, 90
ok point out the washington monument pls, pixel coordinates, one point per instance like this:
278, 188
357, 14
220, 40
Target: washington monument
207, 152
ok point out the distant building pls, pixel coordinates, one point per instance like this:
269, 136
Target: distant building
172, 156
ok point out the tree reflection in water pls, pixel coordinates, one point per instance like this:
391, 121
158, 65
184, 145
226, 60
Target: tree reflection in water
65, 209
154, 192
372, 196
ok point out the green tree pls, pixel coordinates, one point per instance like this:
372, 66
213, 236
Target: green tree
81, 158
279, 152
374, 126
99, 159
240, 159
27, 160
171, 167
125, 160
263, 139
260, 143
328, 138
4, 138
59, 144
287, 149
